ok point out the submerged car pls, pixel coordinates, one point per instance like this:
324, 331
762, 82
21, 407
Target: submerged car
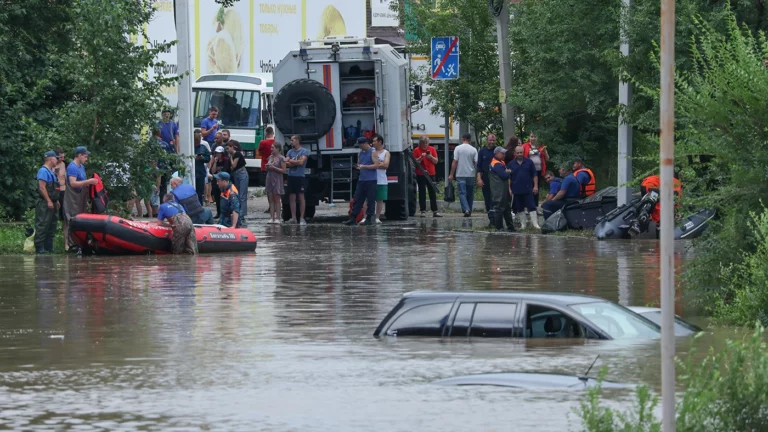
682, 327
530, 380
513, 315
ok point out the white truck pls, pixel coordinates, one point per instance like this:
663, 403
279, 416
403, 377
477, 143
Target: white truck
332, 91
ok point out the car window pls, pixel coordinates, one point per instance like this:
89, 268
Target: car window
616, 321
427, 320
493, 320
545, 322
461, 321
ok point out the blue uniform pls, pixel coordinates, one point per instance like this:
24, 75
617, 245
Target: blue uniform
484, 158
207, 123
73, 170
168, 210
168, 131
522, 176
230, 203
554, 186
571, 186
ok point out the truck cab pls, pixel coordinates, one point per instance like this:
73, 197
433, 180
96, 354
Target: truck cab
332, 91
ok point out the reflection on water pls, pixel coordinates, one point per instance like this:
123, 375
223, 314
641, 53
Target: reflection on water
282, 339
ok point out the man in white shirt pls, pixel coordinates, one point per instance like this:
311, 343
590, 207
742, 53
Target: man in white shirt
463, 170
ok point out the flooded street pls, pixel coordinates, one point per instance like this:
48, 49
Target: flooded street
282, 339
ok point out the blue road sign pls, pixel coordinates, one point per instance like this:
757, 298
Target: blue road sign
445, 58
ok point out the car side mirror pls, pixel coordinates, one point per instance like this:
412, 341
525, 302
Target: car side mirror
417, 93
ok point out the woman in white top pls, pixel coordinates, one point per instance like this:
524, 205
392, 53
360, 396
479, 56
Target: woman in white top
381, 160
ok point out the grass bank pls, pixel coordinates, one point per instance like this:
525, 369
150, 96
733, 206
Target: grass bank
13, 235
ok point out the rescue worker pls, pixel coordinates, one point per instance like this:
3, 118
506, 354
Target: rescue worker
186, 196
650, 207
45, 211
498, 175
76, 195
554, 184
183, 239
585, 177
571, 188
230, 201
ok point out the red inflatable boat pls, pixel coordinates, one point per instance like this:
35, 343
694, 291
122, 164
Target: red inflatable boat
105, 234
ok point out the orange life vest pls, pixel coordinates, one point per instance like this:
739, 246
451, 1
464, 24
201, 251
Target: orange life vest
495, 161
589, 188
654, 183
232, 188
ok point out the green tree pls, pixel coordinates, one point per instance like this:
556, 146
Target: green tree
474, 96
70, 74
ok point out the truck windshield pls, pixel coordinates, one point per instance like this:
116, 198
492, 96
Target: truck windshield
237, 108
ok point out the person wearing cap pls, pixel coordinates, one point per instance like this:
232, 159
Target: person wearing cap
76, 194
498, 176
463, 170
183, 239
186, 196
45, 211
524, 183
570, 190
366, 185
230, 201
219, 163
169, 130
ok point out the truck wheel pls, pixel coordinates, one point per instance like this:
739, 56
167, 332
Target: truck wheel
286, 208
304, 90
309, 211
412, 194
395, 210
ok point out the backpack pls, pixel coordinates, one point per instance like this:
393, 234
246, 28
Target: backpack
555, 223
98, 196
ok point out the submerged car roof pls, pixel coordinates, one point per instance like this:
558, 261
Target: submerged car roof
563, 299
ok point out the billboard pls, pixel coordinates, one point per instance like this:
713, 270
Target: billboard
251, 36
382, 14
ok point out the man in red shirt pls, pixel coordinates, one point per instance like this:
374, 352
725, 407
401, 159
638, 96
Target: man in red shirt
265, 150
426, 157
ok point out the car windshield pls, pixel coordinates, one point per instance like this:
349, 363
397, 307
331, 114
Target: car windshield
237, 108
682, 328
616, 321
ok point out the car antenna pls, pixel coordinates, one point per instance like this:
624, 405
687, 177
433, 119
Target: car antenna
585, 377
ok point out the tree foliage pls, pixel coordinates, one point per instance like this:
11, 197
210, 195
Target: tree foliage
70, 74
473, 97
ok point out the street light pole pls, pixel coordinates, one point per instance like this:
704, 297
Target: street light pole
184, 59
505, 67
667, 163
624, 195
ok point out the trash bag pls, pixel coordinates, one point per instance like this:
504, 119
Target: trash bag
555, 223
29, 243
450, 192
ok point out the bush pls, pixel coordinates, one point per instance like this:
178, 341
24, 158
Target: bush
727, 391
745, 284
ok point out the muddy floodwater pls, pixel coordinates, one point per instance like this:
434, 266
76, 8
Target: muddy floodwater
281, 340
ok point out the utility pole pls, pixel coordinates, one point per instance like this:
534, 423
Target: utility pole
500, 10
625, 129
667, 165
184, 60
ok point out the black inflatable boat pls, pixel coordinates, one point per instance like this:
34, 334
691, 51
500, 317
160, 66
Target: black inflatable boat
615, 224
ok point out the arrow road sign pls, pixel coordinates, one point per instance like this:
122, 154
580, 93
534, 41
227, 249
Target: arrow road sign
445, 58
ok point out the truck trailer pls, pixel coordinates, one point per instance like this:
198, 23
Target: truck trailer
332, 91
